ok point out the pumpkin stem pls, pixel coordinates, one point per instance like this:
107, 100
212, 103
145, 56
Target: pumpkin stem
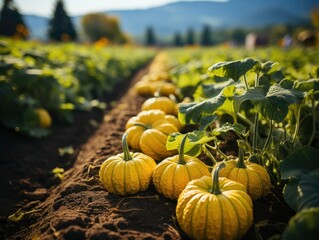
126, 151
241, 154
216, 189
141, 125
181, 159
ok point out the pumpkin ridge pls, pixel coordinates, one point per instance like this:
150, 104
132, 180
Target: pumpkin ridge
260, 181
124, 177
192, 215
221, 211
247, 186
238, 220
196, 167
105, 168
160, 179
206, 220
137, 170
173, 186
112, 181
241, 200
189, 175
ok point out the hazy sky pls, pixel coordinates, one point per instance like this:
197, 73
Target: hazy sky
77, 7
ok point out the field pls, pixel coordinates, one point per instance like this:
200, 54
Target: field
257, 108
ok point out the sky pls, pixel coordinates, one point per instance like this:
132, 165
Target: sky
79, 7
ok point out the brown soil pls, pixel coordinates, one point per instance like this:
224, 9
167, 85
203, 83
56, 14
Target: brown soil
78, 207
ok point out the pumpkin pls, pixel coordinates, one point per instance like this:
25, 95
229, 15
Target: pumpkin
174, 120
165, 104
254, 176
45, 120
214, 208
148, 132
127, 173
173, 173
149, 88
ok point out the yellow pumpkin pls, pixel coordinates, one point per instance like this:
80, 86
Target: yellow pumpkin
254, 176
127, 173
45, 120
174, 120
173, 173
165, 104
214, 208
149, 88
148, 132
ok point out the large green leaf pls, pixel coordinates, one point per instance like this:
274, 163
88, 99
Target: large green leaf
272, 104
233, 69
303, 226
309, 190
300, 162
202, 113
310, 86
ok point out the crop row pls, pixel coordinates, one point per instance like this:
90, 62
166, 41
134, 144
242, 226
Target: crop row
40, 83
270, 109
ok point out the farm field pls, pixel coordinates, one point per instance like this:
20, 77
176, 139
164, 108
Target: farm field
247, 107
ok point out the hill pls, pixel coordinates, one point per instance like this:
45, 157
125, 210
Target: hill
180, 16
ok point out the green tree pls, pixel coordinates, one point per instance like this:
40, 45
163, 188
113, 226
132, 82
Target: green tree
61, 27
177, 41
206, 38
190, 37
150, 38
11, 22
100, 26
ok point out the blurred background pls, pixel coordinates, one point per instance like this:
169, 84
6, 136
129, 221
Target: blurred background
247, 23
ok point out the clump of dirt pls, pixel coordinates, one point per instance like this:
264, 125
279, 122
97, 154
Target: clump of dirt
80, 208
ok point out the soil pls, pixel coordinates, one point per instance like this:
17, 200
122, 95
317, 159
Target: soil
78, 207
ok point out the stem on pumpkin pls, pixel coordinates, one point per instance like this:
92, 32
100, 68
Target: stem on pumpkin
181, 159
216, 189
241, 154
126, 151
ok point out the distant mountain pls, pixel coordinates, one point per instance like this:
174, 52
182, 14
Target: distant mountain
180, 16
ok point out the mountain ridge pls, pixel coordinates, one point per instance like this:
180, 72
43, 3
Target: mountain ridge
180, 16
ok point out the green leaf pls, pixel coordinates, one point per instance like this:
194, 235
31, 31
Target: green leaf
202, 113
272, 104
236, 127
303, 226
233, 69
213, 89
309, 190
269, 67
193, 142
300, 162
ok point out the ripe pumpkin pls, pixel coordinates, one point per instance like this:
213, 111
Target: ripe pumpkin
127, 173
214, 208
254, 176
165, 104
149, 88
148, 132
172, 174
45, 120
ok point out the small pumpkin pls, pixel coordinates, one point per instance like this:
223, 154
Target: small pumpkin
165, 104
214, 208
45, 120
173, 173
127, 173
149, 88
148, 132
254, 176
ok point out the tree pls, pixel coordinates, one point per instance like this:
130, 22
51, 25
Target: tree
11, 22
206, 38
150, 38
61, 27
190, 37
177, 41
100, 26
